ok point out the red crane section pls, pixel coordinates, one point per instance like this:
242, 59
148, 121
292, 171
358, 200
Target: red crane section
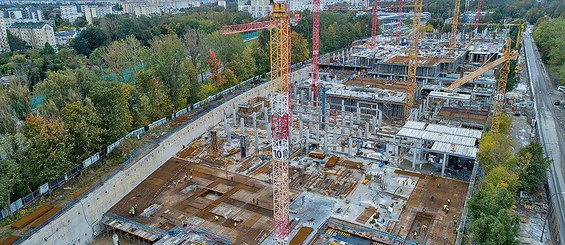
478, 15
315, 45
399, 20
374, 24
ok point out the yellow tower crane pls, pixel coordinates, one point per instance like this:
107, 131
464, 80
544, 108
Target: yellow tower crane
413, 58
454, 24
499, 99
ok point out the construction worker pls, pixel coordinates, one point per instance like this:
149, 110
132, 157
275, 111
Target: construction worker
448, 201
234, 224
415, 234
132, 210
216, 218
185, 176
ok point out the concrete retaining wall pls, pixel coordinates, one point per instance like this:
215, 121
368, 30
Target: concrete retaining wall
80, 224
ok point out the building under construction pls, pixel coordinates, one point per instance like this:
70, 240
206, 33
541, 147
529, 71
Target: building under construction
362, 169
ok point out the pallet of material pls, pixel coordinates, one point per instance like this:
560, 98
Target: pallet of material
351, 164
366, 215
409, 173
301, 236
332, 161
317, 155
10, 240
26, 220
45, 216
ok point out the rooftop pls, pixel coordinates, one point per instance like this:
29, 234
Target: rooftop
28, 25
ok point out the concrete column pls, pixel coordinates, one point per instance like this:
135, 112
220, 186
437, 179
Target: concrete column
380, 119
444, 164
307, 141
358, 112
234, 118
269, 132
350, 147
255, 132
325, 142
366, 130
374, 124
318, 132
300, 126
242, 125
227, 128
265, 114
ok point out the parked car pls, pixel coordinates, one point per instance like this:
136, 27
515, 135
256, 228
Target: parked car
561, 89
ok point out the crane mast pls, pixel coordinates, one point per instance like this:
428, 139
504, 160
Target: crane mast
315, 45
499, 99
454, 24
478, 15
374, 24
413, 58
280, 119
399, 21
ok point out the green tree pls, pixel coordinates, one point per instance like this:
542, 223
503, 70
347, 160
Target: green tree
499, 177
499, 229
48, 49
12, 147
227, 47
112, 107
15, 42
123, 54
82, 125
80, 22
88, 40
533, 166
150, 100
168, 59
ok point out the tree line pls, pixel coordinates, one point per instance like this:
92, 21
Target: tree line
491, 208
549, 37
61, 107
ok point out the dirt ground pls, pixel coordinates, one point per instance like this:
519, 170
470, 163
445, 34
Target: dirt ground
238, 208
424, 220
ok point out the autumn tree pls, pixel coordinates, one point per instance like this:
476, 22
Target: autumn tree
533, 166
48, 155
299, 48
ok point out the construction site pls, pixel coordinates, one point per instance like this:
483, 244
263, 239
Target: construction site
376, 145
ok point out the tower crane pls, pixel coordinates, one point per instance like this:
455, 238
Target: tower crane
413, 58
454, 24
478, 15
499, 99
279, 25
399, 21
315, 45
374, 24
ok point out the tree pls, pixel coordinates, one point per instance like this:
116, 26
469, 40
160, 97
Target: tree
60, 87
533, 166
112, 107
499, 177
82, 125
494, 150
48, 155
195, 43
15, 42
499, 229
215, 64
489, 202
149, 100
168, 60
227, 47
88, 40
14, 104
80, 22
299, 48
47, 49
12, 147
124, 54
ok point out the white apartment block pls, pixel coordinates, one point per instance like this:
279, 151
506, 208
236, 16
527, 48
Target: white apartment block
35, 34
139, 7
4, 46
257, 8
70, 12
301, 5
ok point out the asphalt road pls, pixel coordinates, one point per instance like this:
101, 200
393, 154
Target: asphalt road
550, 126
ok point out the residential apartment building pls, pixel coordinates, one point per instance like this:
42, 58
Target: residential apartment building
63, 37
70, 12
257, 8
4, 46
35, 34
139, 7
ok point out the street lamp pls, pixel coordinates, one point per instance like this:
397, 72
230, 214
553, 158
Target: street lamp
545, 221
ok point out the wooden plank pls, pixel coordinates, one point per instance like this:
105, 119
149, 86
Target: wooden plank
23, 222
